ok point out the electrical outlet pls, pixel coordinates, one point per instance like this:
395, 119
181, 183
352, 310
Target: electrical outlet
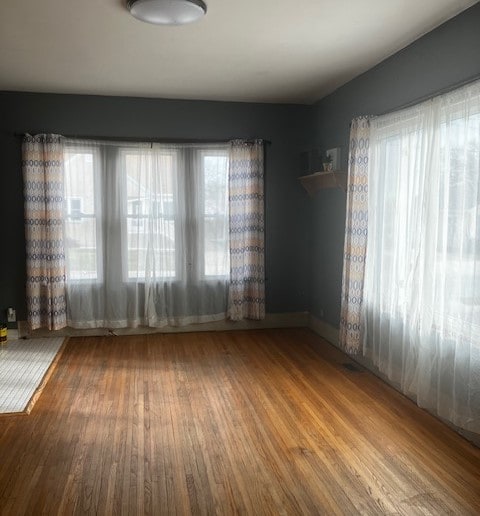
11, 315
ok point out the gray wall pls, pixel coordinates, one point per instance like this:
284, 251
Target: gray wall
287, 236
440, 60
304, 237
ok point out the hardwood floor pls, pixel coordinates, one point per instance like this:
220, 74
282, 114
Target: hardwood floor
251, 422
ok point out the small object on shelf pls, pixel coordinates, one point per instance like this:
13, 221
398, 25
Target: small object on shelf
319, 180
334, 155
328, 163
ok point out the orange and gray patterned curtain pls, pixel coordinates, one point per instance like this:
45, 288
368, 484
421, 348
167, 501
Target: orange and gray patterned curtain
42, 163
246, 299
356, 228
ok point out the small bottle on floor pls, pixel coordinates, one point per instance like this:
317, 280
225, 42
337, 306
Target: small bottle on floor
3, 334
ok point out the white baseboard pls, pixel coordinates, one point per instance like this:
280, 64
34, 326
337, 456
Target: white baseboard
280, 320
324, 329
12, 334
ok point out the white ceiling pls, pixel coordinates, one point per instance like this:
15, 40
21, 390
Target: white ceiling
243, 50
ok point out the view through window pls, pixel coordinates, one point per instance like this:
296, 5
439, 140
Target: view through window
164, 209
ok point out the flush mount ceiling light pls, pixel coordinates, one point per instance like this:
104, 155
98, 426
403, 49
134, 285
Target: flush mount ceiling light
167, 12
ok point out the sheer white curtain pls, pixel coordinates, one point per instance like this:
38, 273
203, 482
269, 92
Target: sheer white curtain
146, 233
421, 304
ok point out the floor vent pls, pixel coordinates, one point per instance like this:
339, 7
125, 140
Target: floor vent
351, 367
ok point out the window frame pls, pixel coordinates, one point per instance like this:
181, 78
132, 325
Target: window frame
94, 151
203, 276
192, 214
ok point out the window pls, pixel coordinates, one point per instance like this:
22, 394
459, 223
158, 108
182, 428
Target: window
149, 186
215, 213
424, 228
82, 231
164, 209
420, 310
74, 208
143, 232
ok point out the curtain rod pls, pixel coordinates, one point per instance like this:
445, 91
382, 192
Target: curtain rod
424, 98
149, 140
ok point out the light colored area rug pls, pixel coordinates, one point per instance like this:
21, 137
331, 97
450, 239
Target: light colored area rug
25, 366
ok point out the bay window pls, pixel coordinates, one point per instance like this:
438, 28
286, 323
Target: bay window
146, 233
411, 284
122, 234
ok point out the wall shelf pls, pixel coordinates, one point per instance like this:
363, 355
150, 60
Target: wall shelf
319, 180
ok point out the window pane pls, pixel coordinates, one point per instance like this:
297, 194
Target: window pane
81, 248
458, 249
80, 216
215, 214
150, 221
424, 216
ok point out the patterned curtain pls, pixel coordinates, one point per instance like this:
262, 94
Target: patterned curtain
42, 163
356, 226
246, 297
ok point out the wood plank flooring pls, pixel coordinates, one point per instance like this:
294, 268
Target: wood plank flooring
250, 422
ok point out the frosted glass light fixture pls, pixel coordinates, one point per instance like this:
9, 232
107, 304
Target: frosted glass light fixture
167, 12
